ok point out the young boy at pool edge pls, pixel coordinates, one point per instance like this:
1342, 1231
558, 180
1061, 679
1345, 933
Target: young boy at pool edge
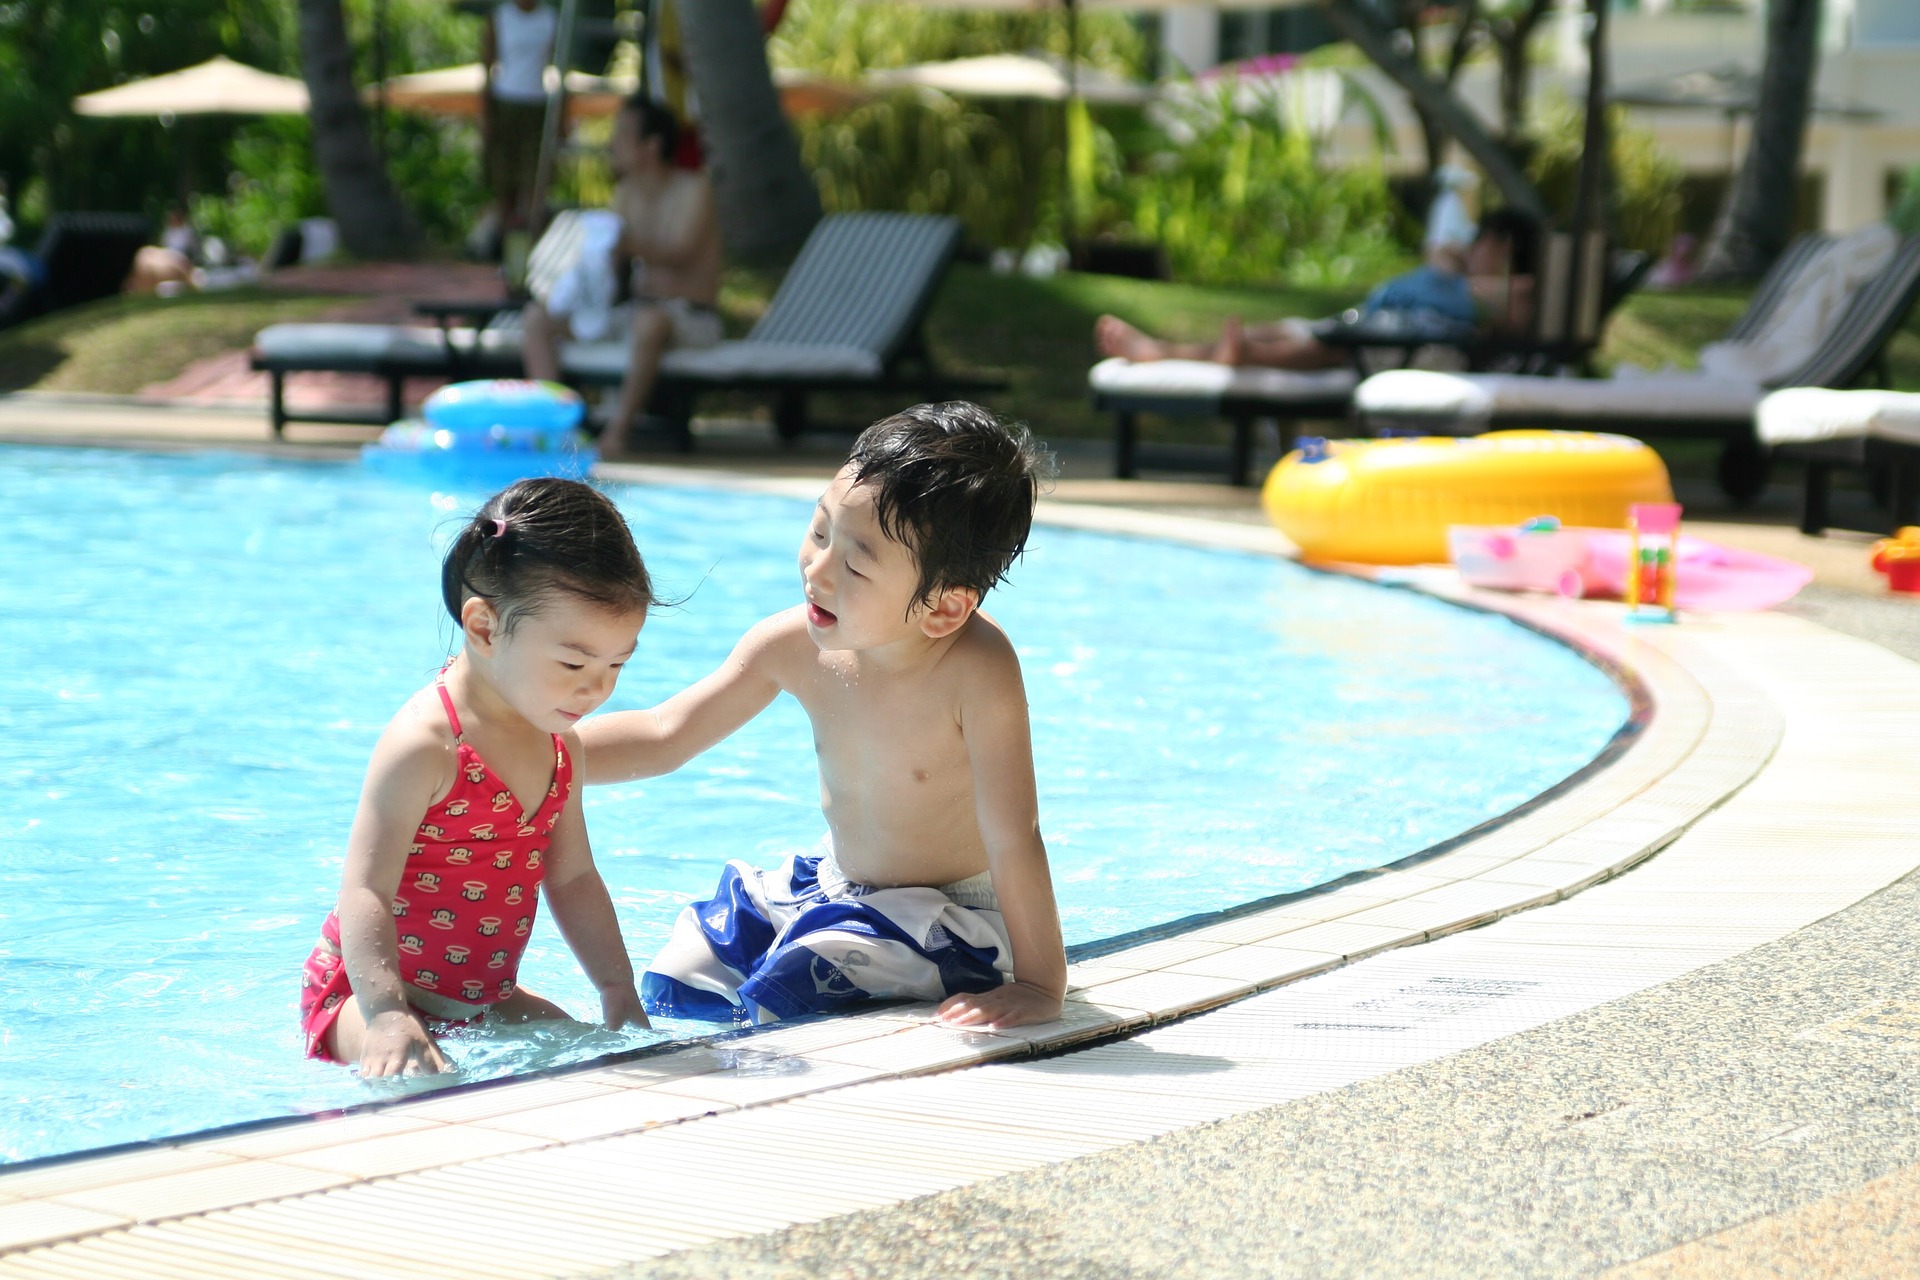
469, 815
933, 882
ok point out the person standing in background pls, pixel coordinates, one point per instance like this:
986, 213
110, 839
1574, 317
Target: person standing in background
516, 48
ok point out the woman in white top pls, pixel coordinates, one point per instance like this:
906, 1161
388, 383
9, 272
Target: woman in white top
516, 48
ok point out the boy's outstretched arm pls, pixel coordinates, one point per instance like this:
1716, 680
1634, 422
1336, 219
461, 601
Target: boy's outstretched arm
625, 745
1000, 752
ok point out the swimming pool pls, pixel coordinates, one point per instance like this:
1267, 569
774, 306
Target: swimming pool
200, 649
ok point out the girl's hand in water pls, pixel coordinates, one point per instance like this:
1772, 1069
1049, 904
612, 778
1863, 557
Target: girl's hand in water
620, 1006
397, 1043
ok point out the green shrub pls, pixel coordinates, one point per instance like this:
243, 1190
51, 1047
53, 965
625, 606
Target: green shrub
994, 166
1905, 214
274, 181
1645, 181
1236, 197
271, 182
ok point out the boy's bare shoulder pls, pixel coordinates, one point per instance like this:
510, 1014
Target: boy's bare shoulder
778, 644
985, 653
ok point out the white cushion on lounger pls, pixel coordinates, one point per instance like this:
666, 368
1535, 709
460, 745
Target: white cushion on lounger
745, 361
1807, 415
1205, 380
1481, 396
369, 342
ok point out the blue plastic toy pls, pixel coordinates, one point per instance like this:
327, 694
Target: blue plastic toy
488, 434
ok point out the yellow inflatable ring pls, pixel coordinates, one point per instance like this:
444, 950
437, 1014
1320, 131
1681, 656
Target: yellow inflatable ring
1390, 501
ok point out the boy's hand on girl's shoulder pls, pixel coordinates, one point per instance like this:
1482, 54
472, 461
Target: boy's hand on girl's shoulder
620, 1007
397, 1043
1014, 1005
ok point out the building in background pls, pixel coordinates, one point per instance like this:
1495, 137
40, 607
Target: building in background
1858, 150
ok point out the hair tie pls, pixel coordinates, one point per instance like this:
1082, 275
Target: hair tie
499, 527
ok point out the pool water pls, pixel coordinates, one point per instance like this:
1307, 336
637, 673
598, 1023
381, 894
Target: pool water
200, 649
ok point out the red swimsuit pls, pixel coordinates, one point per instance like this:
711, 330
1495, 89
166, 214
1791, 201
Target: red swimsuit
466, 901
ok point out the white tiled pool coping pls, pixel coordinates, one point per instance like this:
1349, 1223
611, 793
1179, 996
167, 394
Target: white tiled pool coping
613, 1163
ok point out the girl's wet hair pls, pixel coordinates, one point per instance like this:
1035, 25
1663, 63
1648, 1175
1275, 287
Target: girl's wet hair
541, 538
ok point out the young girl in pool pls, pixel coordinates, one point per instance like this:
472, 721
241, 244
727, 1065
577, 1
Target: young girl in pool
470, 813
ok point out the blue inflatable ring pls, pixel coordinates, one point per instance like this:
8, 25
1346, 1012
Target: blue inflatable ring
490, 432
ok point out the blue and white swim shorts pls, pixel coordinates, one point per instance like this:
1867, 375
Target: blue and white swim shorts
802, 938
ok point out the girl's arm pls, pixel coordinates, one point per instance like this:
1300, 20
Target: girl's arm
625, 745
411, 767
583, 910
1007, 807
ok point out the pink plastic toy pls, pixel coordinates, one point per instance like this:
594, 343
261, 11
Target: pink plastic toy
1537, 556
1653, 556
1707, 575
1541, 556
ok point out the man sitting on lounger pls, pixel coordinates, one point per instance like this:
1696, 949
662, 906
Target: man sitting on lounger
1485, 286
669, 230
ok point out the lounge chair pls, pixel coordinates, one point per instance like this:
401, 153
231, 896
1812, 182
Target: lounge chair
83, 257
1873, 431
1701, 405
850, 315
1244, 395
489, 346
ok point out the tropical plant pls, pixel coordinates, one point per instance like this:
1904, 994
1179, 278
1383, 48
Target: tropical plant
845, 40
1234, 195
1645, 181
994, 166
1904, 217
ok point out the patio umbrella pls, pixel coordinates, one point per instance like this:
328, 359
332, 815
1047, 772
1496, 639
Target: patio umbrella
1730, 89
216, 86
1014, 75
455, 91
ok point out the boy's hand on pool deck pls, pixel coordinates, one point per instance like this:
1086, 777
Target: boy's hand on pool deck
1017, 1004
397, 1044
621, 1007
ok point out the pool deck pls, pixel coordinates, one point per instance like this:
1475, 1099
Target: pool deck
1661, 1023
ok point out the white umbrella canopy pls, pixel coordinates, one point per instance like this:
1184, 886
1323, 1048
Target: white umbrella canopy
1124, 6
217, 86
455, 91
1013, 75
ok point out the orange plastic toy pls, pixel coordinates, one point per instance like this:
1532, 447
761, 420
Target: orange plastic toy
1899, 558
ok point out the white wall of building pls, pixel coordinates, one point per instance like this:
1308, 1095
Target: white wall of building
1870, 55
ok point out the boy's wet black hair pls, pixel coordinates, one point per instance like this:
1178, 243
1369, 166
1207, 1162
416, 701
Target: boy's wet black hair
540, 538
955, 485
655, 121
1522, 235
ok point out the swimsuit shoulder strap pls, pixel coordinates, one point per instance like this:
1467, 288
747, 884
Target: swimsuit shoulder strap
446, 700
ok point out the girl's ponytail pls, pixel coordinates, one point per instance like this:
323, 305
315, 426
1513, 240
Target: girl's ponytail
542, 537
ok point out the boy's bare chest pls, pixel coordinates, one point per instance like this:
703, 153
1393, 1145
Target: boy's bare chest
884, 730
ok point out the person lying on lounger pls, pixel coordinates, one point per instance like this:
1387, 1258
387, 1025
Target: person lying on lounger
1485, 286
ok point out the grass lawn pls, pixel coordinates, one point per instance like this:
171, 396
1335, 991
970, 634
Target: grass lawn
1037, 334
119, 345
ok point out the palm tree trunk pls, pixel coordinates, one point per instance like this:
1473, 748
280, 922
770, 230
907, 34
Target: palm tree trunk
767, 200
1758, 219
373, 223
